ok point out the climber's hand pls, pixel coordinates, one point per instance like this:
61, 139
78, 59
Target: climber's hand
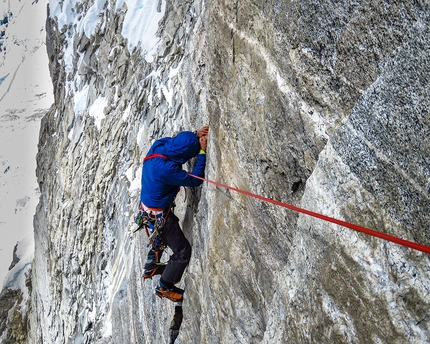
203, 131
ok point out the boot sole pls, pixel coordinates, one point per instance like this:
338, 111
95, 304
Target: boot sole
161, 296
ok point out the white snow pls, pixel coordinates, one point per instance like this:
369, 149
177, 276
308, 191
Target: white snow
64, 12
134, 179
97, 110
168, 93
15, 279
126, 113
92, 18
141, 24
139, 28
25, 95
80, 101
79, 105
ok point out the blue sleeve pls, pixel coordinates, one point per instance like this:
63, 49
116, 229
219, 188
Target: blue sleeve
175, 175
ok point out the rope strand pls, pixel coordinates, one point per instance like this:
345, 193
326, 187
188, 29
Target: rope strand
355, 227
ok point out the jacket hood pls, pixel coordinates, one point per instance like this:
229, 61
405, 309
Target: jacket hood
180, 148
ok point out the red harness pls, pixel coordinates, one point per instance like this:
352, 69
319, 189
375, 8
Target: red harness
155, 156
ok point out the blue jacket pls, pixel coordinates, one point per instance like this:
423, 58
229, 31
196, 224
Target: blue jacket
161, 177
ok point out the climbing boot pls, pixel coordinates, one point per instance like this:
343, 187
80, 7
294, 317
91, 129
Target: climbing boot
158, 270
174, 294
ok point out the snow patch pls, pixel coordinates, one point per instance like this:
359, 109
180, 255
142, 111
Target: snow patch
16, 277
168, 94
97, 110
133, 178
63, 11
80, 100
141, 25
65, 14
80, 104
92, 18
126, 113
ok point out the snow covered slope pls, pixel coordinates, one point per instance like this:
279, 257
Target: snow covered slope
25, 96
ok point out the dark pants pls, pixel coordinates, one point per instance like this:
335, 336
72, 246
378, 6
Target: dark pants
173, 237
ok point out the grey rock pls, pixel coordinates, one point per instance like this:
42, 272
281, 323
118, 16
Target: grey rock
322, 105
15, 259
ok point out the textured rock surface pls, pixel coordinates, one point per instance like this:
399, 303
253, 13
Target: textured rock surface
15, 309
319, 104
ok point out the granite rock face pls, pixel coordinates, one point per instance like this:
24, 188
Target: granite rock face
323, 105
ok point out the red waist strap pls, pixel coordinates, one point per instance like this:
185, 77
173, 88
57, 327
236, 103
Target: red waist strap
155, 156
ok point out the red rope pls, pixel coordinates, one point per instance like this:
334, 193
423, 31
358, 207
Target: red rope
365, 230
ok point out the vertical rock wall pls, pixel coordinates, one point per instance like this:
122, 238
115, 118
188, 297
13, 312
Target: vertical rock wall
322, 105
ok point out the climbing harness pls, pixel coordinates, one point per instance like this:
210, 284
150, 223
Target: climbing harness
403, 242
153, 221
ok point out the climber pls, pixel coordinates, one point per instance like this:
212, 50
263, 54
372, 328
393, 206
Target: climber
162, 176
